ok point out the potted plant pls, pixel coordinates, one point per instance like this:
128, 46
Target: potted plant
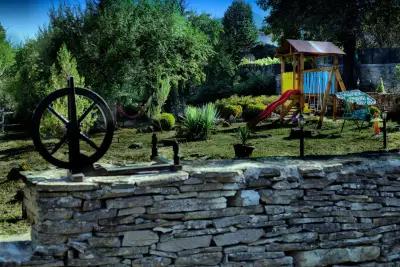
243, 150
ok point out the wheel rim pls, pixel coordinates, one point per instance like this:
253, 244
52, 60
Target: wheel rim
84, 160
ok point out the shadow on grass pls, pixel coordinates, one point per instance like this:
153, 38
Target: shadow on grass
10, 152
11, 220
12, 136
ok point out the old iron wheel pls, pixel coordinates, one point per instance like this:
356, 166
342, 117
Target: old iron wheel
100, 150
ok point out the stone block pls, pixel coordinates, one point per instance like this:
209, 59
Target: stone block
218, 213
94, 262
241, 236
198, 224
151, 261
89, 205
56, 214
132, 211
129, 202
139, 238
281, 262
202, 259
122, 251
326, 257
245, 198
60, 202
252, 256
281, 196
190, 204
179, 244
65, 227
95, 215
104, 242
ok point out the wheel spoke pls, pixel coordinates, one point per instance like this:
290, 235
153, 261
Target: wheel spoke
58, 115
87, 140
87, 111
59, 145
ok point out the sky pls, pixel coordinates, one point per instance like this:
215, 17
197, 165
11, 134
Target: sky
22, 18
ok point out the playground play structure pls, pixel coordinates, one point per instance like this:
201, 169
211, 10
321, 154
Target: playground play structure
312, 87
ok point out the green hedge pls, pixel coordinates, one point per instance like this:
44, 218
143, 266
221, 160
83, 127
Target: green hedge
167, 121
227, 110
252, 111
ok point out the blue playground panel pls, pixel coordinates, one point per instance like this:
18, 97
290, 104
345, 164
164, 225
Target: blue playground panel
316, 82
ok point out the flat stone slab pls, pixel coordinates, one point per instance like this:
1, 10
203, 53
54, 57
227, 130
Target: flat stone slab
56, 180
144, 179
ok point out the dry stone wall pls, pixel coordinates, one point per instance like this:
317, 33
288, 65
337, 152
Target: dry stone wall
319, 213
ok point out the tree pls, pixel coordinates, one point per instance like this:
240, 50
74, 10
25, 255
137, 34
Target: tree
7, 56
380, 17
340, 21
220, 68
124, 48
240, 32
64, 67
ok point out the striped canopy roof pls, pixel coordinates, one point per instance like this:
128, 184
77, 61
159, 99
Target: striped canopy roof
356, 97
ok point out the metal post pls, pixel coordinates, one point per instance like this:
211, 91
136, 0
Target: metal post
154, 149
384, 133
301, 142
73, 130
175, 147
301, 123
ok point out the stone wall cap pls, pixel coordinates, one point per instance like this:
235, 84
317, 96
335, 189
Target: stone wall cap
144, 179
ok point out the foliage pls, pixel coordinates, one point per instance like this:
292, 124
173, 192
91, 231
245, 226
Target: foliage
245, 101
319, 20
228, 110
124, 47
28, 86
198, 122
7, 57
397, 72
373, 110
252, 111
240, 33
159, 97
381, 27
244, 134
380, 87
256, 84
167, 121
209, 26
66, 66
260, 62
221, 68
263, 50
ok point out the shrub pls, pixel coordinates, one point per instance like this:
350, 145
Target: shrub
167, 121
245, 101
249, 104
373, 109
198, 122
260, 62
252, 111
52, 127
380, 87
228, 110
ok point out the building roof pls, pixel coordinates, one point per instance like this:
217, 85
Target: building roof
309, 48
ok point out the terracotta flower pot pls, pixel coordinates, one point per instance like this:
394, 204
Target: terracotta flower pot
243, 151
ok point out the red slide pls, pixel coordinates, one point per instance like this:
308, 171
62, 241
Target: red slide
271, 107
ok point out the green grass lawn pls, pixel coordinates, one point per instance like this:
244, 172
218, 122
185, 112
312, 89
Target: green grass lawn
19, 153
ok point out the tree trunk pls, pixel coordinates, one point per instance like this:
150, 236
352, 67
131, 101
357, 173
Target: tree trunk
349, 63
